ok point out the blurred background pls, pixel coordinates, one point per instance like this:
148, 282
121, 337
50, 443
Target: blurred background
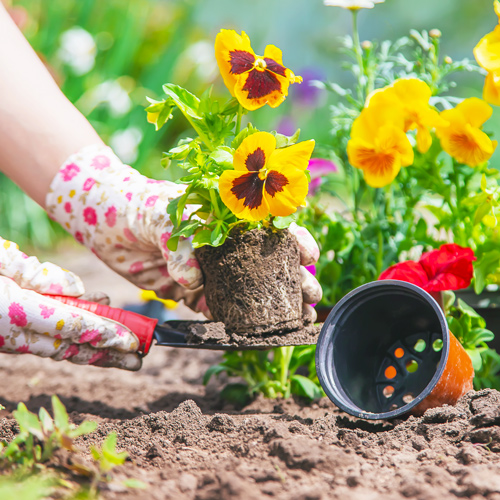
108, 55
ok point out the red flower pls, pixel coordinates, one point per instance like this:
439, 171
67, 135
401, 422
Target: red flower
449, 268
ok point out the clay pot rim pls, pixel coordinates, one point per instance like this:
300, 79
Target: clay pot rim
324, 350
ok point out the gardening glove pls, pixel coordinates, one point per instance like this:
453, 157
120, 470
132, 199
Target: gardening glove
33, 323
122, 217
309, 255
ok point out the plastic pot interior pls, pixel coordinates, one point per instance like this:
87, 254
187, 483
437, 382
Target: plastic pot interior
382, 349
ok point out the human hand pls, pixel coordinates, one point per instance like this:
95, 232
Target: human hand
34, 323
121, 216
309, 255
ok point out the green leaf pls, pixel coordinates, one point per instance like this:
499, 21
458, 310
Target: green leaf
85, 427
188, 103
46, 421
179, 152
109, 450
475, 357
186, 228
28, 422
481, 211
455, 326
236, 393
302, 386
134, 483
201, 238
284, 222
487, 264
247, 131
283, 141
173, 243
223, 156
61, 419
213, 370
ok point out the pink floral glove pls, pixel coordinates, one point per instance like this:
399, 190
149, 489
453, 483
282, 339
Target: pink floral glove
121, 216
36, 324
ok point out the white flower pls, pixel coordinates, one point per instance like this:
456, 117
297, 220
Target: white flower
113, 95
352, 4
200, 58
125, 143
77, 50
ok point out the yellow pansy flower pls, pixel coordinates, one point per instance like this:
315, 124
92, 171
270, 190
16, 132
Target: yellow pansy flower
412, 95
487, 54
378, 144
491, 89
266, 180
253, 80
462, 138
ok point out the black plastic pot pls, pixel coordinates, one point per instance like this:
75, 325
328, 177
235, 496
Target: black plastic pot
384, 349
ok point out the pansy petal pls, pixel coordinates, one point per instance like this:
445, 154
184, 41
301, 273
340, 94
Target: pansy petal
491, 90
380, 168
293, 157
233, 53
475, 111
409, 271
424, 139
257, 88
274, 53
487, 51
284, 192
254, 152
242, 193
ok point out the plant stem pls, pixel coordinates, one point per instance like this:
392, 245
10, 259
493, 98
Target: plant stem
285, 354
238, 120
358, 51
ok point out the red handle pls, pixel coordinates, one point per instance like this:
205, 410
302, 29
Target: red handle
142, 326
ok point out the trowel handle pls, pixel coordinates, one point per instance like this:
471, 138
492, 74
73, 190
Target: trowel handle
142, 326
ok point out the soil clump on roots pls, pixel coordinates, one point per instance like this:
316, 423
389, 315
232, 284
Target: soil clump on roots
253, 283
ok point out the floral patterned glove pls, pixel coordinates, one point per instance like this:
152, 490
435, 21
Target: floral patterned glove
121, 216
36, 324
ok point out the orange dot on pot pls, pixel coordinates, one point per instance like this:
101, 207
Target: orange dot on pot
399, 352
390, 372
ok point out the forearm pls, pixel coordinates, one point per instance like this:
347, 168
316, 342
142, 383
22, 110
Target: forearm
39, 127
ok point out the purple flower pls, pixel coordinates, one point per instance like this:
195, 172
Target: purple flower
307, 94
319, 167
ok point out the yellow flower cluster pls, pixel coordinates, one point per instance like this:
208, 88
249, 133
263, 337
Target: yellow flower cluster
487, 54
380, 147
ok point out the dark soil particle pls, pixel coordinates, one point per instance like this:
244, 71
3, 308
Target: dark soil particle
187, 444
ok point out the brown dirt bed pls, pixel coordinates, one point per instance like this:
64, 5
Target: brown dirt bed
186, 443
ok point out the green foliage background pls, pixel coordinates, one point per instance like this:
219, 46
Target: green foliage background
143, 43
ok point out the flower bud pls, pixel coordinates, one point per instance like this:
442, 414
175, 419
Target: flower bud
366, 45
448, 60
435, 33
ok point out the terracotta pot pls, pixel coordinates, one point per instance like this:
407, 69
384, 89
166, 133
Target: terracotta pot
385, 350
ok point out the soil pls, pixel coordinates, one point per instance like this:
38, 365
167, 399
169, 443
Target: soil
185, 443
253, 283
213, 334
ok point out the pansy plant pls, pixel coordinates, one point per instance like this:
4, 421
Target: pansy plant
234, 177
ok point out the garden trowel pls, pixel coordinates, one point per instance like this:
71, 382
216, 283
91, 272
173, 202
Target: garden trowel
190, 334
